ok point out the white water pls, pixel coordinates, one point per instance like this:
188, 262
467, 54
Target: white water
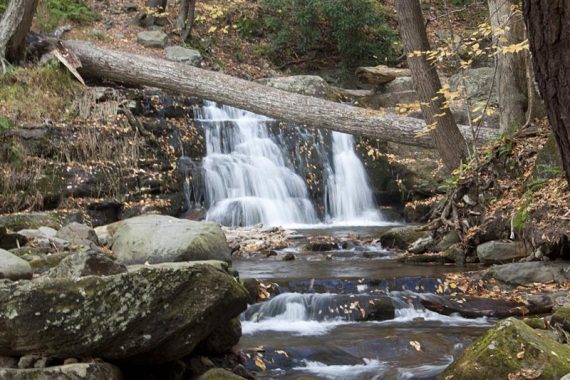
249, 178
371, 367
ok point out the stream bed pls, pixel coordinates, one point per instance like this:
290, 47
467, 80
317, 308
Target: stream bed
319, 325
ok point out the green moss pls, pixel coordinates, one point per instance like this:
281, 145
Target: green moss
498, 353
53, 13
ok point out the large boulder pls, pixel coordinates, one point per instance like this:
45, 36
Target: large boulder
498, 252
184, 55
510, 347
528, 273
311, 85
151, 315
14, 268
159, 239
88, 263
78, 371
379, 75
478, 83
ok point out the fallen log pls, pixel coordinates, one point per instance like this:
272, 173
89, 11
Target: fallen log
304, 110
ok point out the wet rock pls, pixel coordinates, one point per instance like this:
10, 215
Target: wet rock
152, 38
14, 268
223, 338
159, 239
220, 374
184, 55
289, 257
78, 234
79, 371
527, 273
498, 354
402, 237
151, 315
89, 263
498, 252
252, 287
455, 254
421, 245
320, 246
379, 75
311, 85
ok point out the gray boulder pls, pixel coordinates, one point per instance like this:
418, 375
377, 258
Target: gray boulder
527, 273
152, 38
402, 237
14, 268
79, 371
78, 234
152, 315
311, 85
498, 252
379, 75
478, 84
89, 263
159, 239
184, 55
397, 85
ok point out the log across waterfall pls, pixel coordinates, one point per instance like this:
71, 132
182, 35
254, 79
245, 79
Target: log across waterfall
304, 110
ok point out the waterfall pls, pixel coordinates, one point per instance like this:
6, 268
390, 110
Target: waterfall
249, 177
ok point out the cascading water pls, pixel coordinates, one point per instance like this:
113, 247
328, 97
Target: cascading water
250, 179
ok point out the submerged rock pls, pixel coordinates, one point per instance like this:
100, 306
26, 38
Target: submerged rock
14, 268
79, 371
159, 239
509, 347
154, 315
498, 252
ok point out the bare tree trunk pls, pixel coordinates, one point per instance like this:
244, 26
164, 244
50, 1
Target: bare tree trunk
446, 136
182, 14
186, 32
14, 27
548, 24
508, 28
305, 110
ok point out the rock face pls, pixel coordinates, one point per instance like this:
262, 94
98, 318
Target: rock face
497, 252
185, 55
478, 84
153, 39
498, 353
160, 239
379, 75
526, 273
78, 234
311, 85
14, 268
79, 371
90, 263
154, 315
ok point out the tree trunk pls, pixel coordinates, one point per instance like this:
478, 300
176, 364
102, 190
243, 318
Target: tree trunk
446, 136
508, 27
305, 110
185, 20
548, 24
14, 27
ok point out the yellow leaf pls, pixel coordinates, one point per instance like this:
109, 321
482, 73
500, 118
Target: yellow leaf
212, 29
260, 364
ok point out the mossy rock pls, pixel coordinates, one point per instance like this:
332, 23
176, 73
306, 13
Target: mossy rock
562, 318
220, 374
500, 352
402, 237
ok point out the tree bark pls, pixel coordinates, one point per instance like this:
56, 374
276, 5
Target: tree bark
446, 135
508, 27
14, 27
305, 110
149, 19
186, 18
548, 24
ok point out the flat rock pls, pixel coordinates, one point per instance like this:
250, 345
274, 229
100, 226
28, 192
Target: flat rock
152, 38
499, 252
89, 263
497, 354
158, 239
14, 268
311, 85
527, 273
184, 55
151, 315
379, 75
79, 371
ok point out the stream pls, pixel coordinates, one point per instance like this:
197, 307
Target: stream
313, 328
